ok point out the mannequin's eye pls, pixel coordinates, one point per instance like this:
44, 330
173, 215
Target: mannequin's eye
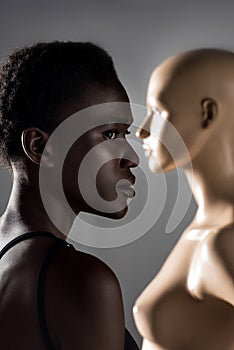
110, 134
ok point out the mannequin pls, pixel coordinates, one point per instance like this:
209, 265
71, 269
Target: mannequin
189, 304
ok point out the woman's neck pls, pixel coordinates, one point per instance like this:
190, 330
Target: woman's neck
26, 210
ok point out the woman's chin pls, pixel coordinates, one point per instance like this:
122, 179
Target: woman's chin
116, 215
115, 211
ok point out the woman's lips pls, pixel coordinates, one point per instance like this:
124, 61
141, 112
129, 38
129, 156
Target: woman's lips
126, 187
127, 190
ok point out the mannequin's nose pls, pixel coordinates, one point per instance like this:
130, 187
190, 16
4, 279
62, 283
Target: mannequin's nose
144, 129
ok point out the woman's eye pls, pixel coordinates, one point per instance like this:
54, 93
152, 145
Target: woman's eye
110, 134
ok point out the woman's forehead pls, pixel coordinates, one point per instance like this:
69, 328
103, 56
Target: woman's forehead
110, 104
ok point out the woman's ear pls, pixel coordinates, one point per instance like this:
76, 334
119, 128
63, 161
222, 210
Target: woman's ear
209, 111
33, 142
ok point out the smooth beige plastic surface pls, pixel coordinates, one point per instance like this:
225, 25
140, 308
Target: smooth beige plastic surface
189, 305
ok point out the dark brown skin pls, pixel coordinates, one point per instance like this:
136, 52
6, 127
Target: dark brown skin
83, 301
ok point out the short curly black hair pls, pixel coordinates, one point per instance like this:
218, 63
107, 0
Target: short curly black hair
36, 80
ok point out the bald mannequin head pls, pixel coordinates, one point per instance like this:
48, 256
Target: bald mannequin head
194, 91
190, 124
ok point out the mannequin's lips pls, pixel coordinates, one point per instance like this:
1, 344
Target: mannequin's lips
148, 150
148, 153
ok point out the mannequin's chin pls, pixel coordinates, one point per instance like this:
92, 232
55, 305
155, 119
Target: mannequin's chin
155, 166
159, 167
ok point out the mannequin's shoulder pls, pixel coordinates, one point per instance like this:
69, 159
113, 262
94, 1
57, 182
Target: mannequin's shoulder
222, 244
220, 247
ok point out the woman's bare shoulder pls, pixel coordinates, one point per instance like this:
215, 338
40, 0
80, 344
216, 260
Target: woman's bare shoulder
79, 270
85, 294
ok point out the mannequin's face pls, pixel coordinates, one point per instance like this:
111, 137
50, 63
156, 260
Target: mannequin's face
173, 125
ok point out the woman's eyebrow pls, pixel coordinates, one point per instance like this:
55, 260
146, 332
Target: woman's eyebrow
116, 124
114, 120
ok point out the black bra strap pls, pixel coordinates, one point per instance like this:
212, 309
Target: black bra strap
41, 293
24, 237
42, 274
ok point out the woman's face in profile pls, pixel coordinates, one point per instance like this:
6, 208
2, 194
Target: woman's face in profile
97, 176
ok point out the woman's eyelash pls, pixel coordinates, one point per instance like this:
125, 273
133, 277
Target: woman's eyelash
109, 133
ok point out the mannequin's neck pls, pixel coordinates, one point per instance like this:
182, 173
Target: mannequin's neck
214, 198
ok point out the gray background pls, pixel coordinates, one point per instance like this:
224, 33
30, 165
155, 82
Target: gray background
139, 36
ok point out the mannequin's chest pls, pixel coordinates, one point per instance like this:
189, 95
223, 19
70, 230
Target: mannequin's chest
163, 311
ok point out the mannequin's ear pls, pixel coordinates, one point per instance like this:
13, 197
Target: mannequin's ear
33, 141
209, 111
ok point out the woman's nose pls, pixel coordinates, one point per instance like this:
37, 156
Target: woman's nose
144, 129
130, 158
